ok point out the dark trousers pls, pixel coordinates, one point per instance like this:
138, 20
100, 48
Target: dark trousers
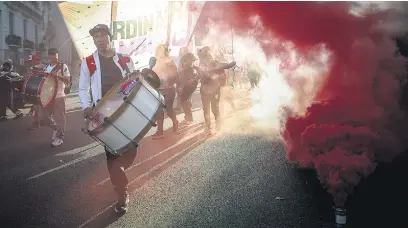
117, 164
211, 102
5, 98
169, 96
184, 100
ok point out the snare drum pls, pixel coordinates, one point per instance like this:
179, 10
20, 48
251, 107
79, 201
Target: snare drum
125, 114
40, 89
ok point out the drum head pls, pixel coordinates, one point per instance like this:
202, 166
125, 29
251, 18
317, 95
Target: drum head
151, 77
113, 100
48, 90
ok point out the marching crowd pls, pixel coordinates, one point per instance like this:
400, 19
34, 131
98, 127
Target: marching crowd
178, 80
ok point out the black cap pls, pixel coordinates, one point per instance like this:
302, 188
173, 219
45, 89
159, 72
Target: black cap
100, 28
52, 51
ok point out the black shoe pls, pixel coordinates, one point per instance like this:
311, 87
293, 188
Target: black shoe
122, 205
18, 115
3, 118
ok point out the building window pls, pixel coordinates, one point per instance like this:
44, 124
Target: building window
36, 34
11, 23
25, 29
43, 20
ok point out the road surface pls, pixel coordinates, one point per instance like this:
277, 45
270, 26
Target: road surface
239, 178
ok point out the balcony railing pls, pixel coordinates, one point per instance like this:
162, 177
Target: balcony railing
28, 44
13, 40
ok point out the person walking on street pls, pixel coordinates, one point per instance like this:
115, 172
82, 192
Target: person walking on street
166, 69
39, 116
56, 111
226, 94
254, 74
99, 73
187, 84
7, 71
211, 72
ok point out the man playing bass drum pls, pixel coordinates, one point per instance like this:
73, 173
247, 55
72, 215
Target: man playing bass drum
99, 73
56, 111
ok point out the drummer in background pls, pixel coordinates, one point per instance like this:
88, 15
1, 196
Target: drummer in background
40, 117
166, 69
32, 61
106, 74
56, 111
7, 70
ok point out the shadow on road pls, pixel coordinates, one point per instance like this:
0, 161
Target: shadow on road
171, 149
19, 145
277, 194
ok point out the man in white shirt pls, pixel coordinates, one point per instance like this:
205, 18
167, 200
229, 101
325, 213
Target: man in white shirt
99, 73
56, 111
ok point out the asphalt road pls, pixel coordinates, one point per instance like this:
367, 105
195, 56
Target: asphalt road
239, 178
63, 187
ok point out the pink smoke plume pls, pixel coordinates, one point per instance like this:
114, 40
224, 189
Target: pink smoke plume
355, 119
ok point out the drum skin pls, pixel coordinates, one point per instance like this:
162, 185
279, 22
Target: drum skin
151, 77
39, 89
130, 122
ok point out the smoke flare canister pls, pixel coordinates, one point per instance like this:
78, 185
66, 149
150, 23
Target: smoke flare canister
340, 217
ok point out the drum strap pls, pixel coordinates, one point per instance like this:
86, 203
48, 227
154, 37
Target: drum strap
90, 62
123, 63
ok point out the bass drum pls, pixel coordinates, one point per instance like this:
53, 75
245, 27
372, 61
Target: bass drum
125, 114
40, 89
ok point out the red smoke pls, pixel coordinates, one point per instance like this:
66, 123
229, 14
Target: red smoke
355, 119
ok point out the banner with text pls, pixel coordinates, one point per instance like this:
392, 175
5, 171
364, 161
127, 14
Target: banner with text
137, 26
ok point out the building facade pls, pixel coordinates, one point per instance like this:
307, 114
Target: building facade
62, 40
32, 27
25, 29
